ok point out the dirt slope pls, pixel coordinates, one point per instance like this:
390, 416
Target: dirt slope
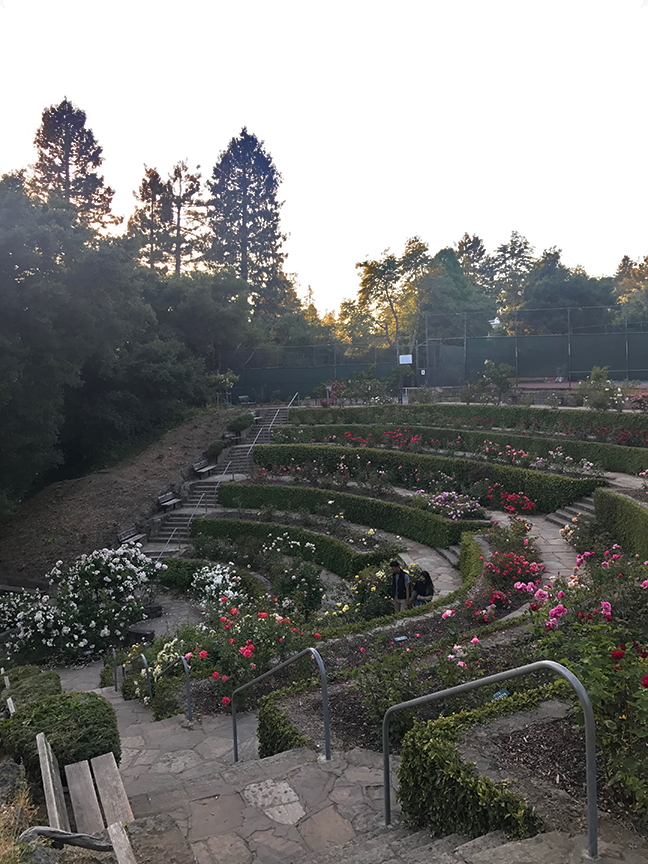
74, 517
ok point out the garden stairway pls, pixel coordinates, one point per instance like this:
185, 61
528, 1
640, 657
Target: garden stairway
296, 806
564, 516
175, 525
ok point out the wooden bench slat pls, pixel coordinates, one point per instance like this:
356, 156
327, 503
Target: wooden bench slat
111, 789
85, 805
121, 844
54, 799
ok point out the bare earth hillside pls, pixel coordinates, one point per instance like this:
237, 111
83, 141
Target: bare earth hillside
74, 517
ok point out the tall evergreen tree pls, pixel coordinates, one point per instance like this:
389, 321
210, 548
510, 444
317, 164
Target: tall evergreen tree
186, 231
151, 219
66, 168
244, 218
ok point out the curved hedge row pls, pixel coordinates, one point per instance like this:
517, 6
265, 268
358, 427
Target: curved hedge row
413, 470
427, 528
329, 552
611, 457
626, 519
482, 416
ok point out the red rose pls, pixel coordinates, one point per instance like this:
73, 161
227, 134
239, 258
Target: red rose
644, 681
618, 655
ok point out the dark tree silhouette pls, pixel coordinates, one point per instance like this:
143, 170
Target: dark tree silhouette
66, 168
244, 217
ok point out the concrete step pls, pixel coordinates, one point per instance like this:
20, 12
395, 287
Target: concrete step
564, 516
451, 555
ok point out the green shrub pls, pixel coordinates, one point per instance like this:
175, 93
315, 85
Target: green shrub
441, 791
470, 559
180, 573
239, 424
106, 676
34, 688
19, 673
603, 425
427, 528
548, 491
329, 552
78, 726
215, 449
165, 698
611, 457
625, 519
275, 731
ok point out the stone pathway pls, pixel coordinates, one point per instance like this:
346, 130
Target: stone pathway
269, 811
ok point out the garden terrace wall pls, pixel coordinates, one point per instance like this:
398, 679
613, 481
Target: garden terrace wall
616, 425
329, 552
611, 457
625, 519
427, 528
414, 470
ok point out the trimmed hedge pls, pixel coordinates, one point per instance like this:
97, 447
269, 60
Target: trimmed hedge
625, 519
548, 491
34, 688
427, 528
481, 416
78, 726
276, 732
440, 790
329, 552
611, 457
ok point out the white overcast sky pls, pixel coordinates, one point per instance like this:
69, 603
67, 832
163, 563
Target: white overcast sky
386, 119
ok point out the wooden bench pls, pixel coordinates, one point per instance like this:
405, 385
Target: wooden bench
168, 501
204, 467
85, 780
245, 400
130, 535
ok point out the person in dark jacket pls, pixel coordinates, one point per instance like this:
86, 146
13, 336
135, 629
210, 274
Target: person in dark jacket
400, 586
423, 589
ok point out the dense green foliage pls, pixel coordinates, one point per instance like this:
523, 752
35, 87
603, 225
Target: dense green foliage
34, 688
602, 425
438, 788
626, 520
611, 457
78, 726
276, 732
329, 552
398, 519
547, 491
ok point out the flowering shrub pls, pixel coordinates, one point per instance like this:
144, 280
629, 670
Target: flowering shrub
450, 505
512, 502
214, 581
98, 597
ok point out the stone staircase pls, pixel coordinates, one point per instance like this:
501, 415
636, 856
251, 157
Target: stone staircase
562, 517
236, 460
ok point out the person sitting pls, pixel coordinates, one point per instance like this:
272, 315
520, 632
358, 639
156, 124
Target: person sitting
423, 589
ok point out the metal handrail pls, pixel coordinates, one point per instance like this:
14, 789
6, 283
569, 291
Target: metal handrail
187, 681
220, 481
322, 670
590, 734
272, 422
164, 548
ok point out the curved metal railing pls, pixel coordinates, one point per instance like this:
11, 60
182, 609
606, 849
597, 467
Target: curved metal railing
590, 734
322, 671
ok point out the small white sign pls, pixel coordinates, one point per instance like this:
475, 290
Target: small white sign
405, 359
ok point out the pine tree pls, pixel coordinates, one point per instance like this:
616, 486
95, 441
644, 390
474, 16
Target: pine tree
150, 221
186, 231
244, 218
66, 168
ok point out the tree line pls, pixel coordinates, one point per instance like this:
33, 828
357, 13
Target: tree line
108, 337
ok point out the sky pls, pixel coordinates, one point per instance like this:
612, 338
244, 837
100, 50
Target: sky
385, 119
